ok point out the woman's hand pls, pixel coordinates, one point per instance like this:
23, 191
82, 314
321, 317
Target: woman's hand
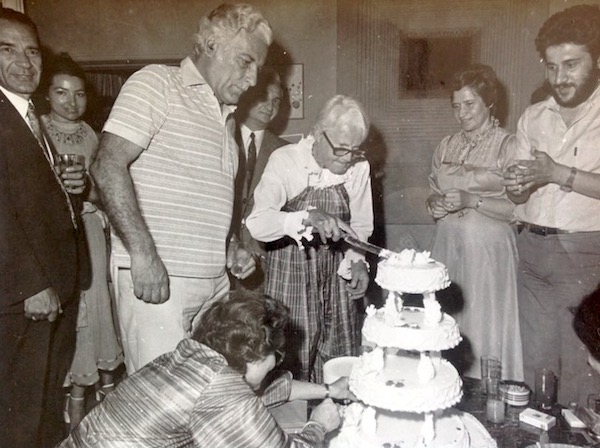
435, 206
327, 226
455, 200
340, 391
74, 179
359, 282
327, 415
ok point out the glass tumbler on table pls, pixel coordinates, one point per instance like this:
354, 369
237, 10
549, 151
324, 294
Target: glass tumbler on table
495, 406
545, 388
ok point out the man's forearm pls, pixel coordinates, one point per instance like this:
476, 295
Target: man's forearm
120, 203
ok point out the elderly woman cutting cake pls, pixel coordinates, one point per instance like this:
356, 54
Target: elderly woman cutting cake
309, 195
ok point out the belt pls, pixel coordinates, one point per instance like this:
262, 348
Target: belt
542, 230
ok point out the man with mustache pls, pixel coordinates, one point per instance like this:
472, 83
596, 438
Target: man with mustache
165, 170
556, 184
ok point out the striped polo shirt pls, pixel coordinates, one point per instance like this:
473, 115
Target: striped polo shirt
184, 178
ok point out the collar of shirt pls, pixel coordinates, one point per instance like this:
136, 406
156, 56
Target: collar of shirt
320, 177
258, 138
19, 103
192, 77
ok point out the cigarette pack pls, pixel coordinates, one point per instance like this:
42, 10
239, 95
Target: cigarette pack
537, 419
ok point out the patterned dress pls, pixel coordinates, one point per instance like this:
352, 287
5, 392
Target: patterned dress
311, 278
480, 253
324, 322
97, 345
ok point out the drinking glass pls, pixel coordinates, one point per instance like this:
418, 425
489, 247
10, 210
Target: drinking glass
495, 407
491, 370
62, 161
241, 258
545, 388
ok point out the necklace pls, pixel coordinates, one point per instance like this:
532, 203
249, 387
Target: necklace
75, 137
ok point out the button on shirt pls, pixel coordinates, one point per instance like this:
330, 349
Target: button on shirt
542, 127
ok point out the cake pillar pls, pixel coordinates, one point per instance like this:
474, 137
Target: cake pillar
428, 430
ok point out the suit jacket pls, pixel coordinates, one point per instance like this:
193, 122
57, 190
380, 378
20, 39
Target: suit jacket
244, 197
38, 242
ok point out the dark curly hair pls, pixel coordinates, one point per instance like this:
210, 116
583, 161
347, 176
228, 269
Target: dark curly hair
587, 322
244, 327
578, 24
62, 64
482, 79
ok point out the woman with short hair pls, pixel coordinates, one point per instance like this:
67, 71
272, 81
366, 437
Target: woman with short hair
205, 393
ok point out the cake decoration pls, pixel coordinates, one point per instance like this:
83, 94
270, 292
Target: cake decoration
405, 387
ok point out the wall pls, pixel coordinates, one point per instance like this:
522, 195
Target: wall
109, 30
406, 130
346, 46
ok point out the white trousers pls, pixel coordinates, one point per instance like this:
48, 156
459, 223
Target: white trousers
149, 330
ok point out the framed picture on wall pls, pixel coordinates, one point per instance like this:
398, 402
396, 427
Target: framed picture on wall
294, 83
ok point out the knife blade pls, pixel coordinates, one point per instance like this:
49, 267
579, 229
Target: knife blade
368, 247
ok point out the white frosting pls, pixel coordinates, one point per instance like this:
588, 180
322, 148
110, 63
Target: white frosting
410, 330
398, 386
399, 430
425, 371
411, 272
405, 396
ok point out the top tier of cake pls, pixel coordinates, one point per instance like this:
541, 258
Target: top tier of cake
411, 272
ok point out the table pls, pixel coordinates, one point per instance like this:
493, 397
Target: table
513, 433
510, 434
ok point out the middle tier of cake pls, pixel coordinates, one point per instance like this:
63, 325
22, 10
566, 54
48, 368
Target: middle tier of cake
410, 330
401, 381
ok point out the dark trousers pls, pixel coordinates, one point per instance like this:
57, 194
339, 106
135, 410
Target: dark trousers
555, 273
34, 359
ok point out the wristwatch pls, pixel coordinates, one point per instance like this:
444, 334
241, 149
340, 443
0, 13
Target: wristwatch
568, 186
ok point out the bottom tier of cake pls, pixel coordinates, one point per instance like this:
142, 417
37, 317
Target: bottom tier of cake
365, 427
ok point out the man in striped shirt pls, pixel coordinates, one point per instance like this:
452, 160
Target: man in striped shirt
165, 169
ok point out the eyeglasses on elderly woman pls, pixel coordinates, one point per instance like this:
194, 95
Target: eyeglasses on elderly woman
338, 151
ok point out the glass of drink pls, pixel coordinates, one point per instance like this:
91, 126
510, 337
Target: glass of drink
63, 161
241, 258
495, 407
545, 388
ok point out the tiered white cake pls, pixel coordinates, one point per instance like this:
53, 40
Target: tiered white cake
406, 388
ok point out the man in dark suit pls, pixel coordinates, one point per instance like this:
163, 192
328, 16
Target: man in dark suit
38, 252
256, 110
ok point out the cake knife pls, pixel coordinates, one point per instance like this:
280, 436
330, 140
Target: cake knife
371, 248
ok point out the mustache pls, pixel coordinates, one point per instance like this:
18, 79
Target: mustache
563, 85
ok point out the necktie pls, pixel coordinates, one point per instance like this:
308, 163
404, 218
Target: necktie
251, 161
34, 123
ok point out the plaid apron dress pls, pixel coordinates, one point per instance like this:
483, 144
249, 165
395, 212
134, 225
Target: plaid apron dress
323, 320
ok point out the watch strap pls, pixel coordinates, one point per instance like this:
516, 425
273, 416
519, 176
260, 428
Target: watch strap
568, 186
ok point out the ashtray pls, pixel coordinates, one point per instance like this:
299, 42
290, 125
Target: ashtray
515, 394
